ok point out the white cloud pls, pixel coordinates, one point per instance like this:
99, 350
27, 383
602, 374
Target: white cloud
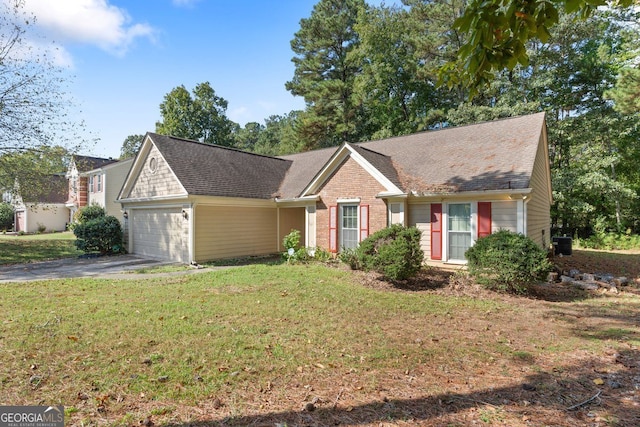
93, 22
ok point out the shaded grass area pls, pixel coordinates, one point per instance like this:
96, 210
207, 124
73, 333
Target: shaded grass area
265, 339
15, 249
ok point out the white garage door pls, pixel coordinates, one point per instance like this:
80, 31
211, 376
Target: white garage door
157, 233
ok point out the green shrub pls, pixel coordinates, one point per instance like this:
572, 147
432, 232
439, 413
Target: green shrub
610, 241
102, 234
350, 257
6, 216
507, 261
297, 253
394, 252
89, 212
291, 240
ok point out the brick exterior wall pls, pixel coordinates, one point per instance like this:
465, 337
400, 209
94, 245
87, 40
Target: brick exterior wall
349, 181
83, 187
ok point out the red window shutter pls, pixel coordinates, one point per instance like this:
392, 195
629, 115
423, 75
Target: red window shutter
333, 229
436, 231
364, 222
484, 219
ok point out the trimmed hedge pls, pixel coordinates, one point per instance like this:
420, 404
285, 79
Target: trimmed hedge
97, 232
394, 252
507, 261
90, 212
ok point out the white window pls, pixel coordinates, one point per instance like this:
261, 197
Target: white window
91, 184
349, 226
459, 230
396, 213
99, 183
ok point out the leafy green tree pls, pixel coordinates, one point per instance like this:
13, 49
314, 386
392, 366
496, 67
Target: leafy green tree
500, 29
247, 137
324, 73
280, 135
131, 146
27, 173
34, 109
6, 216
390, 87
589, 162
626, 94
200, 117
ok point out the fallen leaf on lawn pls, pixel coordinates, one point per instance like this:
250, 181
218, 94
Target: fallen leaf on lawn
72, 338
598, 381
319, 365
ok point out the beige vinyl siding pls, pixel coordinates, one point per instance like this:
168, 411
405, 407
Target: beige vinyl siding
504, 216
420, 217
228, 231
159, 233
114, 178
162, 182
53, 216
291, 219
539, 206
96, 198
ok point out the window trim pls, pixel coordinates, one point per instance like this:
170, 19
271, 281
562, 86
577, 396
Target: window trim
473, 219
341, 207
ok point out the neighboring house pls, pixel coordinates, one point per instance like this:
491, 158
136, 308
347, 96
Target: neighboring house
192, 202
104, 184
78, 196
47, 213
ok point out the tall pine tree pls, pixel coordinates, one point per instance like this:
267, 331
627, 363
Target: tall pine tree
325, 72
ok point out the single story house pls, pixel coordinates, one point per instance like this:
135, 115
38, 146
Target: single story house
47, 212
192, 202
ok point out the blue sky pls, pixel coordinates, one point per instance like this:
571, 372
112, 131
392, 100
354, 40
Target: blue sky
124, 56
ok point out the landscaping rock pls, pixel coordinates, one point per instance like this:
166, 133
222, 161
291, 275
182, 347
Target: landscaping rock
566, 279
574, 273
587, 277
604, 277
587, 286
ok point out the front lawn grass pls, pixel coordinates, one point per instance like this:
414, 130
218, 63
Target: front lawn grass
16, 249
267, 338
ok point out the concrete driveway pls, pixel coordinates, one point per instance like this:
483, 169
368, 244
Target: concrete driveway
106, 266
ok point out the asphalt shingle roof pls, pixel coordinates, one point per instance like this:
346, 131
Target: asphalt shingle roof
214, 170
495, 155
87, 163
